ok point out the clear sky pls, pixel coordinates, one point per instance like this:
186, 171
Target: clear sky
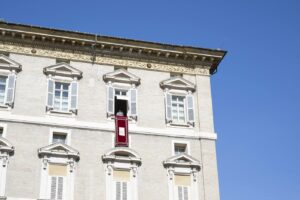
255, 92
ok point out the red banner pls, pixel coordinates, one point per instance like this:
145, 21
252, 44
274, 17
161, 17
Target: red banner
121, 124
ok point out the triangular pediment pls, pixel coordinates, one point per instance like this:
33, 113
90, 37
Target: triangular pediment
122, 76
183, 160
177, 83
5, 145
63, 69
59, 149
9, 64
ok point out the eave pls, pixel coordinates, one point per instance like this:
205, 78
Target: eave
111, 46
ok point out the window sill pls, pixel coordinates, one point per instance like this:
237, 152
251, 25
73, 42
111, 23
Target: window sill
175, 125
130, 120
4, 107
61, 113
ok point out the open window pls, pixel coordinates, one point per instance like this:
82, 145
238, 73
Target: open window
179, 101
121, 93
62, 91
8, 75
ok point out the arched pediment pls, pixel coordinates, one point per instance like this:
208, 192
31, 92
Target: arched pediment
59, 149
63, 69
9, 64
6, 146
122, 76
177, 83
182, 160
122, 154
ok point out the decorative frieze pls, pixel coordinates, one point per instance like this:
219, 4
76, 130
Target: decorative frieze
98, 59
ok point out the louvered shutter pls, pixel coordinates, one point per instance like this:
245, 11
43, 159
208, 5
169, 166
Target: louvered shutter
53, 187
124, 191
50, 96
168, 105
180, 192
190, 109
11, 83
73, 96
186, 193
110, 101
118, 190
60, 188
133, 102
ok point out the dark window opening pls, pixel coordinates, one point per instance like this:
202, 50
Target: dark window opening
1, 131
121, 106
61, 60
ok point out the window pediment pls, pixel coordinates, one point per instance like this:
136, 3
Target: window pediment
182, 160
6, 146
9, 64
122, 76
122, 154
177, 83
63, 69
59, 149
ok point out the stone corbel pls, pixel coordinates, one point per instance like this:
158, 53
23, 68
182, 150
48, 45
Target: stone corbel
71, 163
4, 159
134, 171
171, 173
45, 162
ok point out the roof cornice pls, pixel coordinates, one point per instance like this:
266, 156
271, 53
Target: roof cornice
111, 46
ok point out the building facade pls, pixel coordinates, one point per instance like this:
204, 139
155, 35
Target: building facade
60, 95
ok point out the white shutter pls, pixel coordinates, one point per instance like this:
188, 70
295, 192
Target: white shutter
118, 190
50, 95
168, 105
185, 193
73, 96
190, 109
11, 83
53, 188
110, 101
60, 187
124, 190
133, 102
180, 192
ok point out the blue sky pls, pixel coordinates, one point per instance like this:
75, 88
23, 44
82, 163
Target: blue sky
255, 92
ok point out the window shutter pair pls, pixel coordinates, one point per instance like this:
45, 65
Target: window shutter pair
183, 193
11, 85
189, 108
121, 191
73, 95
57, 186
111, 102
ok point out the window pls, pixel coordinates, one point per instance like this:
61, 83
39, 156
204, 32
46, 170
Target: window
121, 175
121, 93
8, 80
183, 192
62, 91
61, 96
121, 182
1, 131
182, 184
59, 138
3, 83
180, 148
178, 110
60, 60
179, 101
57, 179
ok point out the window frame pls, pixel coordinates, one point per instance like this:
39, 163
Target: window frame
66, 132
180, 142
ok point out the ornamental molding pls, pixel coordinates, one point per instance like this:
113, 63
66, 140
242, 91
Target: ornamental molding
177, 83
8, 64
6, 147
122, 76
63, 69
104, 60
182, 161
122, 155
59, 150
